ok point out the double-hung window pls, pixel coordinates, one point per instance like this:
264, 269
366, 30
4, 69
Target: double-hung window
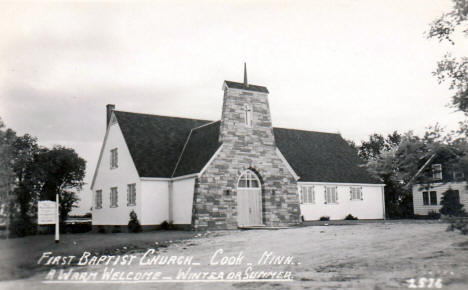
114, 158
437, 171
355, 193
433, 196
429, 197
98, 199
114, 196
331, 194
131, 194
307, 194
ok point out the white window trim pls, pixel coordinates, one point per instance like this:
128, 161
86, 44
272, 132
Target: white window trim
336, 195
114, 165
305, 191
98, 205
437, 171
248, 174
361, 197
112, 204
131, 194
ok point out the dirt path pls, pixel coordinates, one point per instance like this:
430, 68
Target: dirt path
367, 256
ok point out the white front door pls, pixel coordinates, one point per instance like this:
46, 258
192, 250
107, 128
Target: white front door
249, 200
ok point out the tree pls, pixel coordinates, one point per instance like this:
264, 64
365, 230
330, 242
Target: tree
451, 205
60, 171
451, 69
397, 159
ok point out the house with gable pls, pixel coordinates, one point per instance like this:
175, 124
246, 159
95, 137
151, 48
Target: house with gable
238, 171
438, 173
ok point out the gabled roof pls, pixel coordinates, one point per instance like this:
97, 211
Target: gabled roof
169, 147
241, 86
155, 142
201, 145
321, 157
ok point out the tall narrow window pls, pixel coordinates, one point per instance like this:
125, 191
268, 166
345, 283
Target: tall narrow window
433, 197
307, 194
98, 199
114, 197
331, 194
437, 171
248, 115
114, 159
131, 194
425, 198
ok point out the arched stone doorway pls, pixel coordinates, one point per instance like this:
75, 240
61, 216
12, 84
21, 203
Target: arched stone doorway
249, 200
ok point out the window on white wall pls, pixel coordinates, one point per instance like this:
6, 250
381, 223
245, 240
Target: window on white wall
131, 194
248, 115
114, 160
331, 194
307, 194
356, 193
98, 199
114, 195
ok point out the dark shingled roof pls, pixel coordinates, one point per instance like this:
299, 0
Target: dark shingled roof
201, 145
155, 142
321, 157
249, 88
169, 147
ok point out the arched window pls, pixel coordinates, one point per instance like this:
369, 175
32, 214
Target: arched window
248, 115
248, 179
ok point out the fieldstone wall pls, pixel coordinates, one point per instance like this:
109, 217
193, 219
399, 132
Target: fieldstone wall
244, 147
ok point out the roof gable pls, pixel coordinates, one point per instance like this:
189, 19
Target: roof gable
155, 142
201, 145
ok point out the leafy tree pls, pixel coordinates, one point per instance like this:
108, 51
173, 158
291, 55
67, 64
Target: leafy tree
451, 69
451, 205
397, 159
60, 171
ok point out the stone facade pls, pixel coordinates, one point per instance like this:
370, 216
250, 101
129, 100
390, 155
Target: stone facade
245, 147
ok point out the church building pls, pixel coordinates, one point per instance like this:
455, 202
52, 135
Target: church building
237, 172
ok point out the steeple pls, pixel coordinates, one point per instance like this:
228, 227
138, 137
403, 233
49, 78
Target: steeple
246, 84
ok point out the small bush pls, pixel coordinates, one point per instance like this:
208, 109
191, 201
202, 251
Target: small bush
134, 225
325, 218
116, 229
350, 217
433, 215
167, 226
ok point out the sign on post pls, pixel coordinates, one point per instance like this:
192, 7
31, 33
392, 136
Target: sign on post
47, 212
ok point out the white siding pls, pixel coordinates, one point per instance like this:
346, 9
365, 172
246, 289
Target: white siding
421, 209
370, 207
119, 177
155, 202
183, 201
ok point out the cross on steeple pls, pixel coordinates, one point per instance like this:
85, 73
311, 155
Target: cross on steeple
246, 84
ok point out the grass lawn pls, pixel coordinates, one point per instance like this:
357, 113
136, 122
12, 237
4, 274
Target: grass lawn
19, 256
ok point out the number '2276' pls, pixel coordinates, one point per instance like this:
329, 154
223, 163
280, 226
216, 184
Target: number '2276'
425, 283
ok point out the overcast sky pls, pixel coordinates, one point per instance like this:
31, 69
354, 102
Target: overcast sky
354, 67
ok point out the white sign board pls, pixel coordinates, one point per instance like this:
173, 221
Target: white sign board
47, 212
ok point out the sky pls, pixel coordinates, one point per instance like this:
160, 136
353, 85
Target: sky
353, 67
